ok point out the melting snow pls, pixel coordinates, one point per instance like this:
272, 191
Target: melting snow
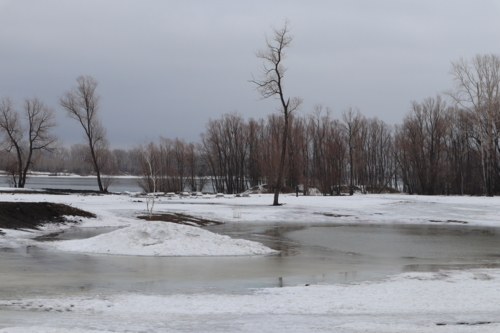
163, 239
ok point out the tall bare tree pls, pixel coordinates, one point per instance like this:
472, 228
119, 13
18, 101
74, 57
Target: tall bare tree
477, 90
270, 84
82, 104
26, 140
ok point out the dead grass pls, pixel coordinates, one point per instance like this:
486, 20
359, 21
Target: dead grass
179, 218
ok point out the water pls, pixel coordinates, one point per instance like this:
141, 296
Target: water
77, 183
86, 183
309, 254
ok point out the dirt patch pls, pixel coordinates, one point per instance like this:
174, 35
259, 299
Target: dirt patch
332, 215
31, 215
449, 221
70, 191
179, 219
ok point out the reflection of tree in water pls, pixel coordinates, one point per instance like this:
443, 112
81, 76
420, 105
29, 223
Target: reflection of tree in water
442, 230
273, 236
438, 267
428, 230
277, 240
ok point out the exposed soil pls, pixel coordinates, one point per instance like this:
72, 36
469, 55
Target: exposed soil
70, 191
332, 215
449, 221
31, 215
179, 218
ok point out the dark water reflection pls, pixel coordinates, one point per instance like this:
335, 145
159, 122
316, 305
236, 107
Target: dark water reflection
309, 254
433, 242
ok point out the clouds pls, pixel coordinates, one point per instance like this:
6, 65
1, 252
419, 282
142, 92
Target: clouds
165, 67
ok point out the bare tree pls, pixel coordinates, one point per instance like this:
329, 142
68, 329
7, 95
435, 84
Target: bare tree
178, 154
151, 169
26, 141
423, 139
225, 150
255, 134
353, 124
82, 104
297, 147
172, 165
270, 84
269, 148
191, 161
478, 90
123, 159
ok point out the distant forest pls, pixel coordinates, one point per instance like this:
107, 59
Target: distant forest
439, 148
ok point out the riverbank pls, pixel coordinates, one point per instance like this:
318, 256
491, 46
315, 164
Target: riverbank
128, 210
31, 215
124, 210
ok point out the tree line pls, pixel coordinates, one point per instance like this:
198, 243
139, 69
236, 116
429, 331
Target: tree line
445, 144
436, 150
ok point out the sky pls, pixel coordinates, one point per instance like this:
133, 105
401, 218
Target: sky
167, 67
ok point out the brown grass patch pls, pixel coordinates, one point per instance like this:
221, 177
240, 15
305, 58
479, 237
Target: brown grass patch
179, 218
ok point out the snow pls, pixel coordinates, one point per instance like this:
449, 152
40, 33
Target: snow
163, 239
448, 301
121, 211
444, 301
379, 209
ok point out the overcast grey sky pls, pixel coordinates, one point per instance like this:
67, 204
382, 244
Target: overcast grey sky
166, 67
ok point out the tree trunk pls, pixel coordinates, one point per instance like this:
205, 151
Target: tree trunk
279, 180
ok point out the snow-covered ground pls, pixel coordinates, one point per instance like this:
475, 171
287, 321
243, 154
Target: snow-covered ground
445, 301
412, 302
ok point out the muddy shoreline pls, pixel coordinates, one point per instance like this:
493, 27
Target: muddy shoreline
32, 215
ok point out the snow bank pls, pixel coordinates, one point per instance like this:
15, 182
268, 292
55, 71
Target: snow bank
447, 293
163, 239
446, 301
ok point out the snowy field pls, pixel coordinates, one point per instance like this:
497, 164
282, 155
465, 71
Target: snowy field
444, 301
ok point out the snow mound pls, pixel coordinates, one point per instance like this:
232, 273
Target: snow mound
163, 239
